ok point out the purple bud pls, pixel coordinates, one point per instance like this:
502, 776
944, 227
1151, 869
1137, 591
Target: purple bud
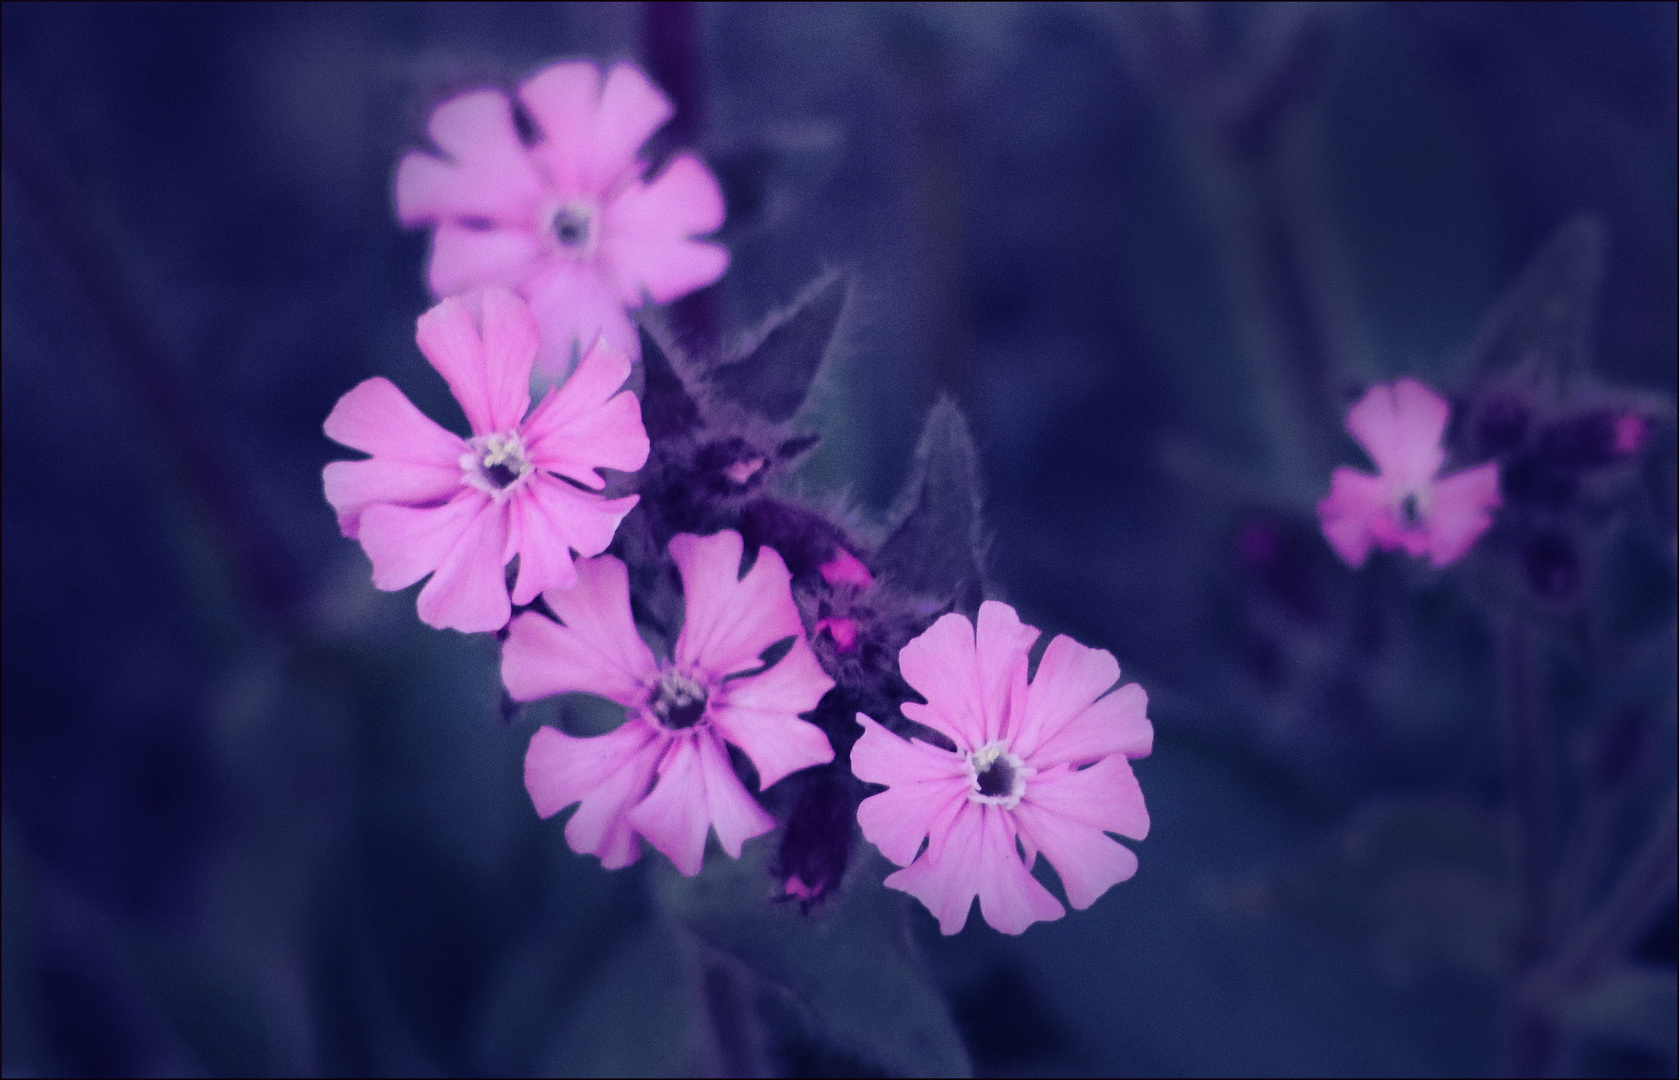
816, 844
1594, 439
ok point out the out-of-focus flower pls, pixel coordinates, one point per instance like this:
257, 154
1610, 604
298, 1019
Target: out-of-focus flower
1045, 764
682, 711
430, 502
568, 220
1408, 505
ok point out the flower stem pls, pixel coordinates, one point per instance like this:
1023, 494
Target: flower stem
1533, 1034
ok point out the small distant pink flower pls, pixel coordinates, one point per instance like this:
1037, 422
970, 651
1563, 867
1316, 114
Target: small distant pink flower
569, 221
1408, 505
1043, 764
430, 502
682, 711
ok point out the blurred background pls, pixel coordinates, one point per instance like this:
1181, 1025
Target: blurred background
259, 820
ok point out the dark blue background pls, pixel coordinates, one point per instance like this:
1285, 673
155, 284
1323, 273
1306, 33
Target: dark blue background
258, 819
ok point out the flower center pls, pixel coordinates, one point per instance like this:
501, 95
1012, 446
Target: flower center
574, 226
999, 777
496, 464
677, 701
1412, 508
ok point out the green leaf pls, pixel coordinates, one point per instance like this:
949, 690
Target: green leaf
773, 378
934, 548
1538, 328
850, 967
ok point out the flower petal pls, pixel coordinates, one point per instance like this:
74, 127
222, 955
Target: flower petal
1400, 426
881, 757
510, 340
407, 543
1001, 645
1066, 814
352, 486
1462, 511
469, 590
927, 786
554, 520
631, 110
696, 788
489, 176
1355, 502
731, 620
377, 418
980, 860
941, 666
1010, 898
464, 259
609, 774
673, 817
736, 815
589, 423
596, 650
1104, 796
563, 99
899, 818
760, 714
1071, 716
575, 307
1088, 861
647, 231
449, 339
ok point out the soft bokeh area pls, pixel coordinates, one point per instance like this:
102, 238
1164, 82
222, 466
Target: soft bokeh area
258, 819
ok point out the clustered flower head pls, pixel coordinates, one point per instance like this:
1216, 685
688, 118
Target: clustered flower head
566, 216
774, 668
1407, 504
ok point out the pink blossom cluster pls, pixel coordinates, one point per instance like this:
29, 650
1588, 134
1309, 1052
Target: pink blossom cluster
544, 240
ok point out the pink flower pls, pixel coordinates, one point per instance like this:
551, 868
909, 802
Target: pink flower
430, 502
568, 221
1407, 506
682, 711
1043, 764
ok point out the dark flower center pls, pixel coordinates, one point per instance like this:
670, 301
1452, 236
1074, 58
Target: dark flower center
571, 227
1410, 510
996, 780
678, 701
501, 474
496, 463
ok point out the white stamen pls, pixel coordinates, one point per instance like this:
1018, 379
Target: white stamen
496, 464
